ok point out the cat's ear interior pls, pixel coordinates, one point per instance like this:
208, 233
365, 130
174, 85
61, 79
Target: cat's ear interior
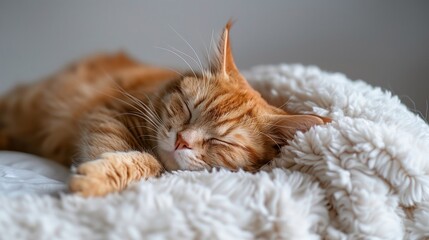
282, 128
225, 58
224, 62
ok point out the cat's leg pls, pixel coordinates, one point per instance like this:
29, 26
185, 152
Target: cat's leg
111, 159
112, 172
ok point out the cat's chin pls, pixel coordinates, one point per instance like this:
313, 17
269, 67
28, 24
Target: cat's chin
180, 160
168, 161
186, 160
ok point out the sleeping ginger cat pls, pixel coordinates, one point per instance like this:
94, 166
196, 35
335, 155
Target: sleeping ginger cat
120, 121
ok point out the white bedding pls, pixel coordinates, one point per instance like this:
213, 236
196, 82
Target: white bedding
363, 176
22, 174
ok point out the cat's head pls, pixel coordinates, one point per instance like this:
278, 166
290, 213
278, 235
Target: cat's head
218, 120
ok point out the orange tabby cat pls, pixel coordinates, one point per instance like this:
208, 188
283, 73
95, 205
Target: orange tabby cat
122, 121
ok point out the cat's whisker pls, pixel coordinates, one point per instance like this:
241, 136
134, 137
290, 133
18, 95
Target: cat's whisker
280, 126
153, 148
156, 146
187, 55
143, 117
124, 93
154, 118
150, 122
284, 104
178, 55
149, 127
139, 102
153, 107
283, 126
135, 115
204, 73
255, 131
144, 126
268, 136
266, 164
174, 70
200, 64
210, 49
150, 137
129, 104
211, 45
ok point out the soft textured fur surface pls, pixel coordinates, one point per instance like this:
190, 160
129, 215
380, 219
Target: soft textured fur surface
122, 121
364, 176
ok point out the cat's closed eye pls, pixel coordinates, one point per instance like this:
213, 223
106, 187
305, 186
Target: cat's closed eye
177, 108
219, 141
189, 113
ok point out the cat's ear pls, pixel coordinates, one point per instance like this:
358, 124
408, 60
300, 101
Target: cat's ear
282, 128
224, 63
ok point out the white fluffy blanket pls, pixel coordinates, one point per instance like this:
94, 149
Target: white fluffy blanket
366, 175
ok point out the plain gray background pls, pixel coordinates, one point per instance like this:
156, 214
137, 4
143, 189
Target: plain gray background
385, 43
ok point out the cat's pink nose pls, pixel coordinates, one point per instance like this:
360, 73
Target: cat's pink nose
181, 143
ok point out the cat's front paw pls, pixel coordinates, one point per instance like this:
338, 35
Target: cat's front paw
90, 180
112, 172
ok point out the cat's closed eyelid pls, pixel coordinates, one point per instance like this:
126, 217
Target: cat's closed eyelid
219, 141
177, 101
189, 112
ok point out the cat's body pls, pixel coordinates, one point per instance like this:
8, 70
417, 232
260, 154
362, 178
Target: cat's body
46, 117
121, 121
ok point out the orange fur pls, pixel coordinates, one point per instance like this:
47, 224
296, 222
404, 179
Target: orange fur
121, 121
